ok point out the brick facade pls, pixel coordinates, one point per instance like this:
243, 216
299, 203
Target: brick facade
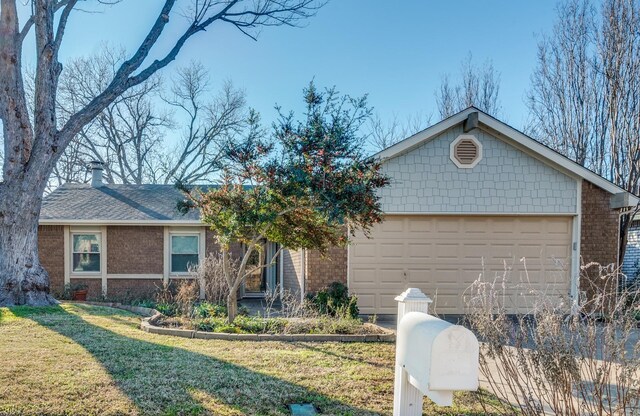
129, 289
94, 287
135, 250
292, 271
599, 238
51, 253
320, 271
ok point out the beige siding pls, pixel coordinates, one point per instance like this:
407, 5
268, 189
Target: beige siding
444, 255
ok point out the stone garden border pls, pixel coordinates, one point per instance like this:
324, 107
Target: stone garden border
152, 315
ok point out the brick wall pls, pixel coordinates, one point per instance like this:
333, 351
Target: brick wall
94, 289
292, 271
51, 253
320, 271
131, 289
599, 238
134, 250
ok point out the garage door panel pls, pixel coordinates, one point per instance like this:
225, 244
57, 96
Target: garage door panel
389, 275
420, 250
447, 251
360, 276
391, 249
444, 255
421, 225
364, 249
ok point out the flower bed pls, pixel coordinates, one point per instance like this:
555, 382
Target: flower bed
258, 325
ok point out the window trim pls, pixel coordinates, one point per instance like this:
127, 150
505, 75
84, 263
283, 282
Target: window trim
98, 235
183, 234
452, 151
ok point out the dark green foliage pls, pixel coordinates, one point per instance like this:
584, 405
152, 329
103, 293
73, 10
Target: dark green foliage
167, 309
241, 325
300, 186
334, 300
79, 286
209, 310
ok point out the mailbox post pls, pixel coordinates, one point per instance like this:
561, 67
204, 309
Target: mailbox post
433, 357
405, 395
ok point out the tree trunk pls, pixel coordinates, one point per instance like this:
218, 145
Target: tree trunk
232, 306
23, 280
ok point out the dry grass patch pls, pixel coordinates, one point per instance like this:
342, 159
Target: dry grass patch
80, 359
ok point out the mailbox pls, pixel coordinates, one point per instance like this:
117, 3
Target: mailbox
438, 357
433, 357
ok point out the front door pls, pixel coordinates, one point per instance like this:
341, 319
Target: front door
264, 278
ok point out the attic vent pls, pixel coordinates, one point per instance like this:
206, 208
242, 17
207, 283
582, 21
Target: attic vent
466, 151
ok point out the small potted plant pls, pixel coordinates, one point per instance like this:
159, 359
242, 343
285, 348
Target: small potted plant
79, 291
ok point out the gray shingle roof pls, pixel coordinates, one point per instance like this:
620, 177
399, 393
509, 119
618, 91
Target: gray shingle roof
114, 203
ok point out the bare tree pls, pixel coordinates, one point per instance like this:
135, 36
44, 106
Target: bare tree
478, 86
565, 100
128, 137
385, 134
210, 125
33, 146
585, 96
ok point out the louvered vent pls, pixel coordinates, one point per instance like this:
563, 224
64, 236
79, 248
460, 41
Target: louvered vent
466, 151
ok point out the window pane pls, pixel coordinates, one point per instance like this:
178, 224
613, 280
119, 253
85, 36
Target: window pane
86, 262
85, 243
184, 244
180, 263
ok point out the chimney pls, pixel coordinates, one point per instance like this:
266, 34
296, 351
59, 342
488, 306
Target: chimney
96, 173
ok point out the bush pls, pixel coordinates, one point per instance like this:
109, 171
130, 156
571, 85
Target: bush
334, 300
570, 358
209, 310
210, 274
167, 309
242, 325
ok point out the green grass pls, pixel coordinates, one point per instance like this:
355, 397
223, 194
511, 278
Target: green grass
84, 360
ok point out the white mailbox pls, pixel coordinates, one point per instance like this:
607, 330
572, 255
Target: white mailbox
433, 358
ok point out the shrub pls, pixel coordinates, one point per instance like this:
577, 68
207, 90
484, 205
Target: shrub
186, 297
210, 274
144, 303
564, 357
209, 310
334, 300
167, 309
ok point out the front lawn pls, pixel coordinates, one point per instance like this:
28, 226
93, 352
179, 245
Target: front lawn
80, 359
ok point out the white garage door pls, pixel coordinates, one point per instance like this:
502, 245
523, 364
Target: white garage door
444, 255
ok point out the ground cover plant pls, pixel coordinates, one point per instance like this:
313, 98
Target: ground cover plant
78, 359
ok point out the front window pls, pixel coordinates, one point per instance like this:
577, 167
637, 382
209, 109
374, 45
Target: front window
86, 252
184, 252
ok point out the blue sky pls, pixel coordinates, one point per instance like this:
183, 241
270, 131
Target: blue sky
396, 51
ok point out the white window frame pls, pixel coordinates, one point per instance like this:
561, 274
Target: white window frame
183, 234
100, 252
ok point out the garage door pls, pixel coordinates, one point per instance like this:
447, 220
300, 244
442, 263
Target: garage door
444, 255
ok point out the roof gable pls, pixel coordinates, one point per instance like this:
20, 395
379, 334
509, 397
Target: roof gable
516, 137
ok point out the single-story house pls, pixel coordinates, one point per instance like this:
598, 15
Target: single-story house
470, 195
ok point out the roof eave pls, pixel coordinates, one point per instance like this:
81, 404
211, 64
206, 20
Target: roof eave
53, 221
